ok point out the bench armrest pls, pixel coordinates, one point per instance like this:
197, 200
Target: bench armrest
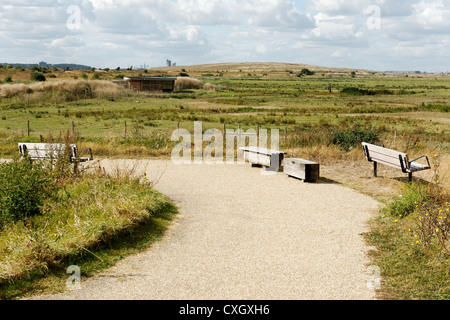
428, 161
90, 153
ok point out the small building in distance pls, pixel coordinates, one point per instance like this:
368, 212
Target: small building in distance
151, 84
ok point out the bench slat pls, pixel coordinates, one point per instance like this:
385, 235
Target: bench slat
386, 159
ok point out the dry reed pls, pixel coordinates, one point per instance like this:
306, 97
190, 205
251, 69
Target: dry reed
76, 88
187, 83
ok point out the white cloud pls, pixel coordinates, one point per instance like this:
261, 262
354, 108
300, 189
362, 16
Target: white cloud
324, 32
433, 15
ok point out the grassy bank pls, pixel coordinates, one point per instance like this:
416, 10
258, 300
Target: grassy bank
412, 241
85, 220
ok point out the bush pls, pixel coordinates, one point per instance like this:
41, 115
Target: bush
350, 138
357, 92
305, 72
37, 76
364, 92
23, 188
434, 107
411, 198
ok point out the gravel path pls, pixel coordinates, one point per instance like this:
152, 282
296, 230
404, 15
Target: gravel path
246, 236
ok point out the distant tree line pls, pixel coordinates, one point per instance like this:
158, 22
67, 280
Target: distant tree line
64, 66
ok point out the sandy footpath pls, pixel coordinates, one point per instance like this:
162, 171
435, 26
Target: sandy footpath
244, 235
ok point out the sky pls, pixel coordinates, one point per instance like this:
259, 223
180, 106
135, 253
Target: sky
379, 35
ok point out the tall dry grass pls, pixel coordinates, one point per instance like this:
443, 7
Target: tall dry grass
183, 83
64, 89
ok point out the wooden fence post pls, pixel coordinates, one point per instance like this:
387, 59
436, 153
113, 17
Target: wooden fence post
28, 128
285, 136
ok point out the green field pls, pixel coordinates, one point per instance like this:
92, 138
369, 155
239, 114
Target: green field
414, 106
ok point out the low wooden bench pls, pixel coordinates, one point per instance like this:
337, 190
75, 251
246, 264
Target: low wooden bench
48, 151
400, 160
270, 159
306, 170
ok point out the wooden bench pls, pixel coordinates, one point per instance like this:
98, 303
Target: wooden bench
49, 151
306, 170
400, 160
270, 159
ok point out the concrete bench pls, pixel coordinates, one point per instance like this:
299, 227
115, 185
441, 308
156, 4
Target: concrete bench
399, 160
306, 170
270, 159
49, 151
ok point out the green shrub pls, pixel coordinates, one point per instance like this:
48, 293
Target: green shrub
365, 92
305, 72
350, 138
37, 76
411, 198
357, 92
436, 107
23, 188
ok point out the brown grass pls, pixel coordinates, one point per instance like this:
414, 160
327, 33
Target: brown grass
187, 83
79, 88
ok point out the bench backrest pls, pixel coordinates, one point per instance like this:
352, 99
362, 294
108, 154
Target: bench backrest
45, 150
387, 156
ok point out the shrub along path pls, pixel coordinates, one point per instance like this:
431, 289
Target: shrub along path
244, 235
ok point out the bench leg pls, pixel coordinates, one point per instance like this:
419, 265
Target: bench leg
410, 177
375, 169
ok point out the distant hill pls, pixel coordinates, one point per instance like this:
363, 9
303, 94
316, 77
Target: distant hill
240, 67
71, 66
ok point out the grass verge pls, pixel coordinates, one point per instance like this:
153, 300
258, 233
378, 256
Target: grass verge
412, 245
92, 221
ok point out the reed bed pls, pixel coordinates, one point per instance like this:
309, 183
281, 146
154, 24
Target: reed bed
61, 90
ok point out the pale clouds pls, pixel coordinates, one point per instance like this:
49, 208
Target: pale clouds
411, 34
